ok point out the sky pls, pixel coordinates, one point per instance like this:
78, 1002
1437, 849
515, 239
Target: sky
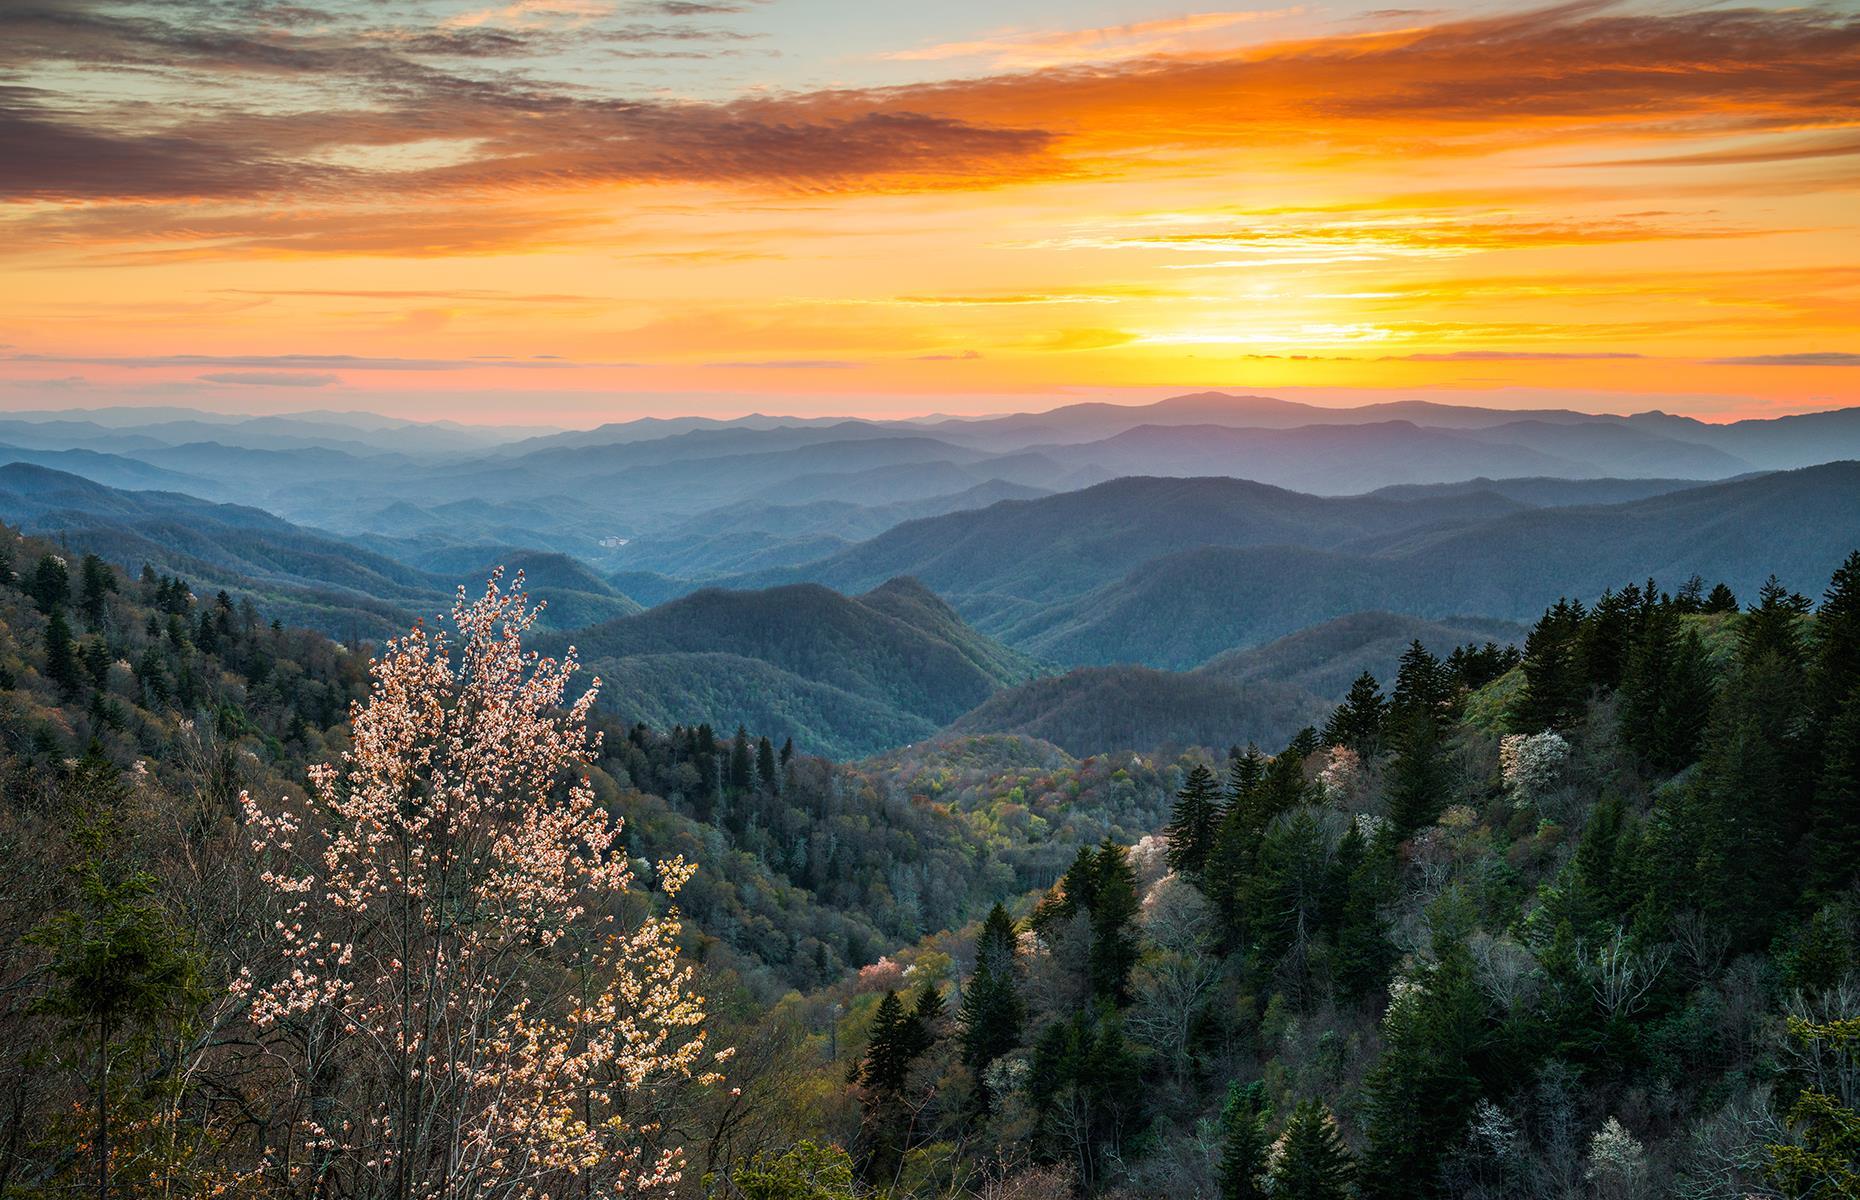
573, 211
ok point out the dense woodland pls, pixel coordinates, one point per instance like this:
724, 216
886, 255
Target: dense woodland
1575, 922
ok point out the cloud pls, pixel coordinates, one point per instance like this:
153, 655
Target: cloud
965, 356
1820, 358
299, 379
1140, 39
1513, 356
788, 364
311, 362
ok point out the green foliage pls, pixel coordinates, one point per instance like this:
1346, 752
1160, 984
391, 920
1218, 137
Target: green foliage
805, 1171
1311, 1162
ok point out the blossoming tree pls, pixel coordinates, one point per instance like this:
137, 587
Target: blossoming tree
469, 998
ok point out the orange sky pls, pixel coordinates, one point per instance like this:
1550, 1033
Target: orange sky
573, 211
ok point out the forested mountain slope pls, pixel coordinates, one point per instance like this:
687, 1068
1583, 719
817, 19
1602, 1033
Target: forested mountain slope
1171, 572
841, 674
304, 576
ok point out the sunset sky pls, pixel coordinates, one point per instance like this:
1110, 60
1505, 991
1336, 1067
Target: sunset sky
571, 211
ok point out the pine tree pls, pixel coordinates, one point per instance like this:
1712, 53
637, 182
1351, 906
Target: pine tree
742, 763
121, 963
62, 666
1194, 821
1240, 1174
1666, 693
1114, 909
1312, 1162
1836, 671
888, 1054
51, 583
992, 1012
1721, 600
1834, 833
98, 582
1357, 722
1555, 678
765, 765
1774, 626
1422, 1090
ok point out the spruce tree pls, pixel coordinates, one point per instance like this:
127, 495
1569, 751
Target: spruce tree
1312, 1162
1357, 722
1422, 1090
1555, 678
1240, 1173
1721, 600
1194, 821
62, 666
51, 583
121, 965
765, 764
1114, 909
992, 1012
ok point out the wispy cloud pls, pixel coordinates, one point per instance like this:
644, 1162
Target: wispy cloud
295, 379
1819, 358
1018, 49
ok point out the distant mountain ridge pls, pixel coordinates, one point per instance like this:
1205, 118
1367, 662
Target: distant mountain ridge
842, 674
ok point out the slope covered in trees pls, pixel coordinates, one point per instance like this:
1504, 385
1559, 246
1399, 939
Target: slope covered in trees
1326, 659
1580, 924
1172, 572
835, 673
299, 575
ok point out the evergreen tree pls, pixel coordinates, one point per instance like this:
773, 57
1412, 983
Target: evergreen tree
1721, 600
98, 582
1666, 693
1240, 1174
1115, 904
62, 665
1774, 626
1834, 833
1555, 678
1422, 1090
765, 765
122, 967
1836, 670
1357, 722
893, 1045
51, 583
1312, 1162
992, 1012
1194, 821
742, 763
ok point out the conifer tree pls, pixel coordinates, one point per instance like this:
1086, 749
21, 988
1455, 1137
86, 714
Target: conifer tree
1357, 722
98, 582
765, 765
121, 963
1422, 1090
1721, 600
1773, 625
992, 1011
1311, 1162
51, 583
1836, 671
62, 666
1555, 679
1114, 908
1194, 821
1241, 1172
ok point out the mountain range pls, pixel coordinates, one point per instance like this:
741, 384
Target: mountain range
1208, 568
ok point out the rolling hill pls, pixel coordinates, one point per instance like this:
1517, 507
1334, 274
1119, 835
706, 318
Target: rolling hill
1325, 659
1094, 710
307, 577
842, 674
